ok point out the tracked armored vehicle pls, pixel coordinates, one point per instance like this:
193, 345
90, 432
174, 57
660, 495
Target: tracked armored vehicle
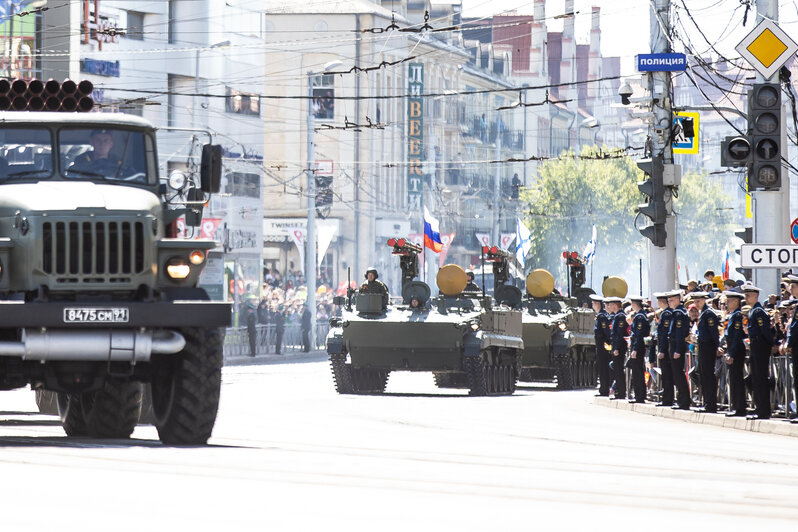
456, 335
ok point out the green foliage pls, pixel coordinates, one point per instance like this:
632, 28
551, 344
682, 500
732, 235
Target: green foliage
572, 194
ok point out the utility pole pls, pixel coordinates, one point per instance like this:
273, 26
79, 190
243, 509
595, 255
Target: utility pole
770, 224
662, 259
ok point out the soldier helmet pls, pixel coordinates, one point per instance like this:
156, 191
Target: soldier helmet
373, 270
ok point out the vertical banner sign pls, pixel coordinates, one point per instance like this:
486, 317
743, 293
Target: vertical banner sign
415, 134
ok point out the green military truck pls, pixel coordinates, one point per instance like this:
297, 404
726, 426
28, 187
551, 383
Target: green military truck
97, 295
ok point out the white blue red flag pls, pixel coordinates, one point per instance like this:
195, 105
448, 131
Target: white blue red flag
523, 241
590, 248
432, 233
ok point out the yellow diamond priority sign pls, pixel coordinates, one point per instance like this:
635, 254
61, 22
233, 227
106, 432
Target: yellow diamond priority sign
767, 48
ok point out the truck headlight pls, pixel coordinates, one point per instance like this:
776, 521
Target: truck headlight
474, 326
196, 257
178, 269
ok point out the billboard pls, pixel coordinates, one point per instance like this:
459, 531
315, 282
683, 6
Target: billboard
18, 34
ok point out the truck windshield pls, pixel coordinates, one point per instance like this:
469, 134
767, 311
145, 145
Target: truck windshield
108, 154
25, 153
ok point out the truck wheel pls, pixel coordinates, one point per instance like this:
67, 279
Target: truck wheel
71, 414
47, 402
146, 417
186, 388
342, 374
113, 410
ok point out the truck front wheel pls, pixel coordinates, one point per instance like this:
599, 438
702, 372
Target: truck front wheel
186, 387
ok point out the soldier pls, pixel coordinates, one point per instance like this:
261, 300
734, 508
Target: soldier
707, 342
305, 327
663, 353
637, 359
374, 286
762, 344
601, 334
677, 334
471, 286
735, 354
619, 329
790, 346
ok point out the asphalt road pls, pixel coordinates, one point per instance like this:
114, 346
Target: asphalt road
289, 454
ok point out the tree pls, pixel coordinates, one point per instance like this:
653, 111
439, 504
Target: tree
572, 194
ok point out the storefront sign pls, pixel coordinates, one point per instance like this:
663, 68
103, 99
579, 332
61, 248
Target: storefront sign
415, 134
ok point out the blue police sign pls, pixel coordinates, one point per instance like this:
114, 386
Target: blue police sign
661, 62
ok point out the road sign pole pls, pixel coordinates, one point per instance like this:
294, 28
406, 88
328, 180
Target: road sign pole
770, 222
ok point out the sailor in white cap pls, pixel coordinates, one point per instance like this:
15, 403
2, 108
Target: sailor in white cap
677, 335
735, 353
641, 328
601, 334
762, 343
619, 330
707, 342
663, 354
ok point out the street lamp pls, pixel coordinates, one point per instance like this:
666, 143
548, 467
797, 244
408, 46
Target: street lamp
310, 237
222, 44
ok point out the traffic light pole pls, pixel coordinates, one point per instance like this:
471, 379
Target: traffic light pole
770, 224
662, 260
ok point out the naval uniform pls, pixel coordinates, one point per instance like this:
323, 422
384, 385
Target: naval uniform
707, 335
792, 343
760, 334
601, 334
735, 348
640, 330
663, 327
618, 332
677, 334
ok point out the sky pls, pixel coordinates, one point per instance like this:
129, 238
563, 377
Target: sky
625, 23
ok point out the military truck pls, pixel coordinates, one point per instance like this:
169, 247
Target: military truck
455, 334
97, 293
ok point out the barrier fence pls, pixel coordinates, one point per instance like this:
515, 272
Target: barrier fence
236, 340
782, 392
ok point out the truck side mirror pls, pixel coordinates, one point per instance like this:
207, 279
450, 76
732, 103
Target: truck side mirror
194, 212
211, 168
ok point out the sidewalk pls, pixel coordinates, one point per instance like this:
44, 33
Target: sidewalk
778, 426
289, 356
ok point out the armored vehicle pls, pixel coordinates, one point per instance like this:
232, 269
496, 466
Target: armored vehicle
456, 335
97, 293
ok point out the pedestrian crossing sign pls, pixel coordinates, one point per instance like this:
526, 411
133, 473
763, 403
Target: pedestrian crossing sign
685, 132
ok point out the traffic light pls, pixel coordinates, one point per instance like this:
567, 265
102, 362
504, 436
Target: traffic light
764, 124
747, 237
735, 152
654, 189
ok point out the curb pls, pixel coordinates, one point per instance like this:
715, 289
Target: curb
781, 427
288, 358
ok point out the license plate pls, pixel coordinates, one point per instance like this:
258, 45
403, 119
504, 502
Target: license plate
96, 315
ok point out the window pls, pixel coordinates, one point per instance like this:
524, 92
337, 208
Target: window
243, 184
111, 154
25, 153
242, 103
135, 25
170, 23
323, 97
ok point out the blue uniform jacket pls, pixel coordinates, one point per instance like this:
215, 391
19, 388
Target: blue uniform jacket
601, 329
708, 330
640, 330
663, 327
759, 329
792, 334
680, 328
734, 335
619, 332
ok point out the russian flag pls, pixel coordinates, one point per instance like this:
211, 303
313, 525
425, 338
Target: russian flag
725, 266
432, 234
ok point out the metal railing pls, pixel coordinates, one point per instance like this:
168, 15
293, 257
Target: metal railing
782, 392
236, 340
